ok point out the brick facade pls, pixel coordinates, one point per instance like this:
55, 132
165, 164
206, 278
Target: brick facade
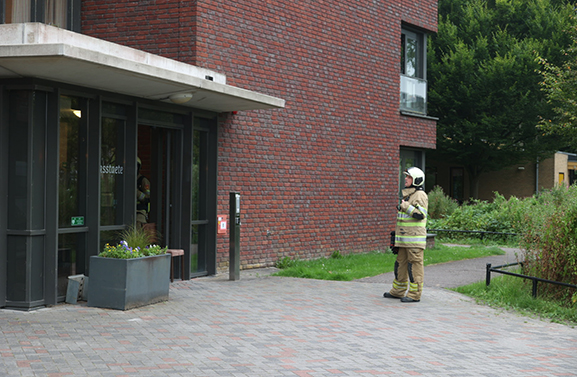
322, 174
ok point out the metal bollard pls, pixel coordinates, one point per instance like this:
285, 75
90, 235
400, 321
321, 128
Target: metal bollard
234, 241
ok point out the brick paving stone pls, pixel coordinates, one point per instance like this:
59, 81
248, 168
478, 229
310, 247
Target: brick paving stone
271, 326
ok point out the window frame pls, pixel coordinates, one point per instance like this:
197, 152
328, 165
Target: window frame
413, 85
421, 54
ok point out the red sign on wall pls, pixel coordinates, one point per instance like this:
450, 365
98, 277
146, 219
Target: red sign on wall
222, 224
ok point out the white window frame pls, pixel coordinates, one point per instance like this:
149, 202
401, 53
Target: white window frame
413, 71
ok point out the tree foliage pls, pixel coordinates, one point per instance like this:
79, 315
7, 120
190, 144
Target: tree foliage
560, 85
484, 83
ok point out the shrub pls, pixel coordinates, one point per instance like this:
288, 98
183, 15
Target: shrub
549, 239
500, 215
440, 205
546, 223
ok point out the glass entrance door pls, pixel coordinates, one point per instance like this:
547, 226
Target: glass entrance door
71, 190
159, 151
199, 219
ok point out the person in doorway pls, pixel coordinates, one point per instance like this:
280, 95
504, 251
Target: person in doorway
142, 197
410, 239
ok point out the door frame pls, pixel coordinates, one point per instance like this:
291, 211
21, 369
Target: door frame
182, 149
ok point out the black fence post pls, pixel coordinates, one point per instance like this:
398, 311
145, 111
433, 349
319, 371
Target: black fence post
534, 292
488, 275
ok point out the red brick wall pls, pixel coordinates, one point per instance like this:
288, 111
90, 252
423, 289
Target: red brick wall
321, 174
162, 27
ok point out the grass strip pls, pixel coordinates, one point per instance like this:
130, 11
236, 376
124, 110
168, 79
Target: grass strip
356, 266
514, 293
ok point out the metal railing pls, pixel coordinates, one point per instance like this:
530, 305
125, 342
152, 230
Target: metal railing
497, 269
534, 279
481, 232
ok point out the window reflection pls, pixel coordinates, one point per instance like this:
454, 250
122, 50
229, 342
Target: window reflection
17, 11
111, 171
413, 80
199, 201
50, 12
71, 189
71, 249
196, 174
68, 188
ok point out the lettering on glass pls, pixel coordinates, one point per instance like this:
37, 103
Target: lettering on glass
111, 169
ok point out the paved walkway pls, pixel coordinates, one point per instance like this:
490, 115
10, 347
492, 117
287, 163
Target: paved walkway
456, 274
272, 326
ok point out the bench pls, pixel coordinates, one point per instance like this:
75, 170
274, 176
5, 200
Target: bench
173, 254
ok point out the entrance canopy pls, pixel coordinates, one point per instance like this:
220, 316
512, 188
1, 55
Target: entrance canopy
47, 52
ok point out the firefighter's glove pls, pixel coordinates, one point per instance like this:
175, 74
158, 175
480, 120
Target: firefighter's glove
395, 250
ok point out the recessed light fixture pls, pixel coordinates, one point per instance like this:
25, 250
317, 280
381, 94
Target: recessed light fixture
180, 98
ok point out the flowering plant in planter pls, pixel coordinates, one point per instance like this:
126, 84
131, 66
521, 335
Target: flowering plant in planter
135, 244
131, 274
124, 251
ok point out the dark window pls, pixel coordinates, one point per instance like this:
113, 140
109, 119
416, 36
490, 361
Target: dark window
409, 158
458, 184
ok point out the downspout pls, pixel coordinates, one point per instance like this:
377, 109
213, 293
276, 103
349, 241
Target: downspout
537, 177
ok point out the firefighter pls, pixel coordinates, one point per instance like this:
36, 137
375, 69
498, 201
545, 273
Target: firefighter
410, 239
142, 197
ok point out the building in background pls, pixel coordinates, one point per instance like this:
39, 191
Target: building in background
308, 109
521, 181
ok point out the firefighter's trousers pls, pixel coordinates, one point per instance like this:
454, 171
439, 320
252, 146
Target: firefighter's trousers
409, 273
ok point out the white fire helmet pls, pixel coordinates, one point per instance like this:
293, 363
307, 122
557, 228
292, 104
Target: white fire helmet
417, 175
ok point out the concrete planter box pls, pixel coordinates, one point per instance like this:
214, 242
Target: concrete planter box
128, 283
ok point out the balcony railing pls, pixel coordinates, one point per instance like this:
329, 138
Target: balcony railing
413, 94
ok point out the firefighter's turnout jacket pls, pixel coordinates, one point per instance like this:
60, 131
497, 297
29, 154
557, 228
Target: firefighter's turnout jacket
411, 232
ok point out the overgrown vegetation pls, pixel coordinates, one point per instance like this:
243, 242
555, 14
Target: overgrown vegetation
500, 215
356, 266
550, 240
515, 294
440, 205
547, 228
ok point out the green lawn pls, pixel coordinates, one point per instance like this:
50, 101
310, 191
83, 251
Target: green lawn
356, 266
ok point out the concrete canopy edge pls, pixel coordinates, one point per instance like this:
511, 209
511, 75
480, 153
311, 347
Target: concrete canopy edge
47, 52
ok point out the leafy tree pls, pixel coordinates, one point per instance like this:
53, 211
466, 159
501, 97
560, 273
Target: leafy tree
484, 80
560, 85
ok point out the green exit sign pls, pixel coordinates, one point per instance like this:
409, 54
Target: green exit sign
75, 221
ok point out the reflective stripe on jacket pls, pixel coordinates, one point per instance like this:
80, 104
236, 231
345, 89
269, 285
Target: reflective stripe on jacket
411, 232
